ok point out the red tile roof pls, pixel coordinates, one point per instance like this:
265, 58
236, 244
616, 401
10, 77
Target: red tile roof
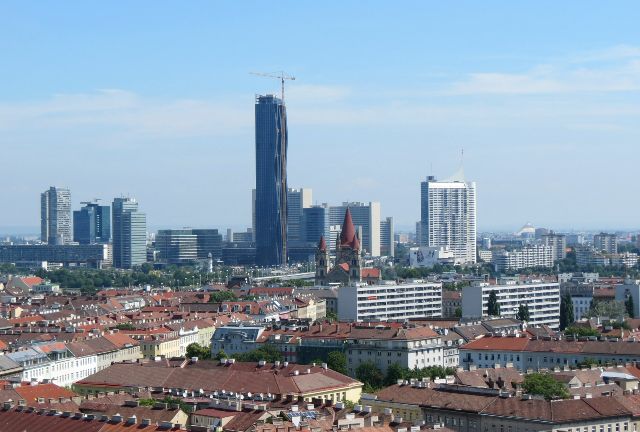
31, 393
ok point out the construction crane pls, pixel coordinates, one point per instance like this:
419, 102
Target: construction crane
279, 75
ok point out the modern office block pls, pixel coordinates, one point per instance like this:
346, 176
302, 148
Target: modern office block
95, 255
55, 216
271, 181
92, 224
129, 234
208, 241
448, 211
316, 223
366, 218
297, 201
387, 238
177, 246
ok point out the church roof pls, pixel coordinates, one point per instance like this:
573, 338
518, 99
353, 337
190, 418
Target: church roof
348, 235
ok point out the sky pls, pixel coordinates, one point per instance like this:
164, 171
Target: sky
154, 100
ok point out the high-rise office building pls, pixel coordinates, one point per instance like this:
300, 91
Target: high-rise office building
185, 246
366, 218
92, 224
208, 241
448, 211
297, 201
129, 234
387, 238
316, 223
55, 216
271, 181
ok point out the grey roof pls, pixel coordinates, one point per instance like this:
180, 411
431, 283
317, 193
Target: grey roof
6, 364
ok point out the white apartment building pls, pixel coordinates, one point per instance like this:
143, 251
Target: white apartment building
448, 212
410, 347
527, 257
54, 361
542, 298
390, 301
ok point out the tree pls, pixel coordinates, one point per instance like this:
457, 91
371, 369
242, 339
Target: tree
221, 296
493, 307
630, 306
268, 353
331, 316
197, 350
566, 311
221, 355
544, 384
610, 309
580, 331
395, 372
125, 326
337, 361
370, 375
458, 312
523, 312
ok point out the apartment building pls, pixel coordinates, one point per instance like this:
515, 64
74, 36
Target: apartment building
535, 354
526, 257
390, 301
464, 409
542, 299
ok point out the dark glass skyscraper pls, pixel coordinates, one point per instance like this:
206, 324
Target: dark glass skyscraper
271, 181
92, 224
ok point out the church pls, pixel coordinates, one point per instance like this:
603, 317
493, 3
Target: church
347, 267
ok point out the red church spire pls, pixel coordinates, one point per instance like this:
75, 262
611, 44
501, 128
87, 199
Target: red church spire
348, 233
322, 246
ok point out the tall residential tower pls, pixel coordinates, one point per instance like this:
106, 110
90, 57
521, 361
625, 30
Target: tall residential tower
271, 181
55, 216
448, 211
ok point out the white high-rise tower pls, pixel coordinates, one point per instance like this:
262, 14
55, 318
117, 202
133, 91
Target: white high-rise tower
448, 211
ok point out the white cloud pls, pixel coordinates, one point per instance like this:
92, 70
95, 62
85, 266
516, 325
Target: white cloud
613, 70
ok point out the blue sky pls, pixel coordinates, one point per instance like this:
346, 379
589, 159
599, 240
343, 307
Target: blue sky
155, 100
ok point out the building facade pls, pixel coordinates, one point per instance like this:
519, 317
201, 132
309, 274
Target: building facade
271, 181
297, 201
92, 224
387, 236
55, 216
448, 211
542, 299
558, 244
526, 257
605, 242
390, 301
129, 234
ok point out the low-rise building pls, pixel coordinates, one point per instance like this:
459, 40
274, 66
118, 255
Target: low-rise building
527, 257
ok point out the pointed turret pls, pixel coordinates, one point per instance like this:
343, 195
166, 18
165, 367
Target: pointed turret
322, 245
348, 233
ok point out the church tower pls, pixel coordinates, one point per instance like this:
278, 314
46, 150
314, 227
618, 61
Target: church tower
322, 262
348, 251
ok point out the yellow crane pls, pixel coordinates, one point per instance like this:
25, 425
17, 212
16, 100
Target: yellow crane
279, 75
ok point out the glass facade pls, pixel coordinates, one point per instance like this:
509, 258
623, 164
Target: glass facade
129, 234
92, 224
271, 181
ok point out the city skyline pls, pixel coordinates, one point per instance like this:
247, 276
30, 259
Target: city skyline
409, 97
